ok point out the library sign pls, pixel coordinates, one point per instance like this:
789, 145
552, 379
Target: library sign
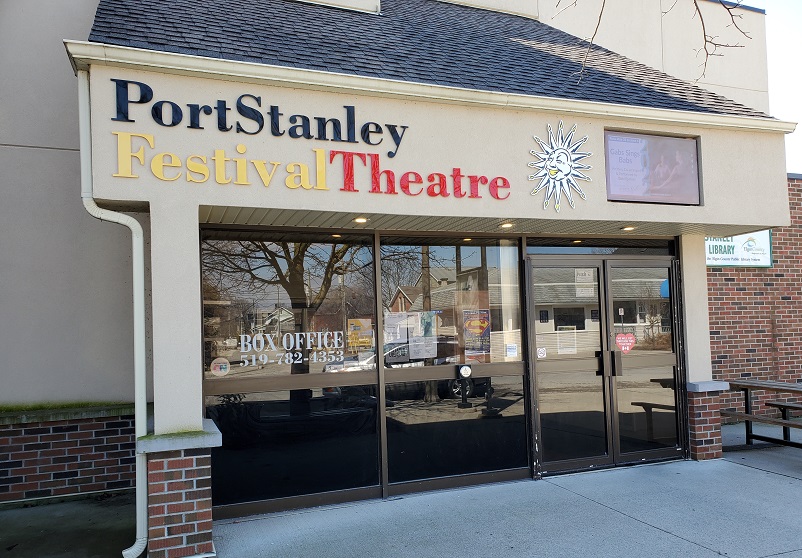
746, 250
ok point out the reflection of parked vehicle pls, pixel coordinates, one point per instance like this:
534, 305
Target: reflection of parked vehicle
354, 363
476, 387
397, 356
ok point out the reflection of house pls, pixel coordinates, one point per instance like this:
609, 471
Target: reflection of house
279, 320
403, 298
452, 294
567, 304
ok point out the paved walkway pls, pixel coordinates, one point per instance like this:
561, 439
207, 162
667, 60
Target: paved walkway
98, 527
747, 505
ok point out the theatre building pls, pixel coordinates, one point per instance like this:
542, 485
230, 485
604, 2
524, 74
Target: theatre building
387, 249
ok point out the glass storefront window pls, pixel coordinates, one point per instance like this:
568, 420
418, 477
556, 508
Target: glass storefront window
437, 438
276, 304
450, 303
269, 451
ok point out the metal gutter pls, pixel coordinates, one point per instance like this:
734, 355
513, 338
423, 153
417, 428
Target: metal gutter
138, 264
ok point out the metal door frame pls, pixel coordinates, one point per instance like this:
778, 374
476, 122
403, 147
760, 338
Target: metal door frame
604, 264
662, 453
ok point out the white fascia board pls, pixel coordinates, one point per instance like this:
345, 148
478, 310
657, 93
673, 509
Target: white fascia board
84, 54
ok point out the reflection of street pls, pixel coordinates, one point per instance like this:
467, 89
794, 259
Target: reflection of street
561, 392
410, 412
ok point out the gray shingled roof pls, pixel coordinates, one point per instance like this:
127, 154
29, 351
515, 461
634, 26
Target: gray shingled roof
424, 41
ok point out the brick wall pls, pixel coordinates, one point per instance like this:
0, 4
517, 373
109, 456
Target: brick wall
180, 503
756, 315
704, 424
61, 458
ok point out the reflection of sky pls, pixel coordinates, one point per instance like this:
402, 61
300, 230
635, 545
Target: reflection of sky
470, 256
316, 257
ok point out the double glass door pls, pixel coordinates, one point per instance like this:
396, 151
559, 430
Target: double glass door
605, 362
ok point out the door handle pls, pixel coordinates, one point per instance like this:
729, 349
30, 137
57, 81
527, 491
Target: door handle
604, 365
618, 365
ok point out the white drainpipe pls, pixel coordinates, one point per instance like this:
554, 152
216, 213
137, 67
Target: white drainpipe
138, 263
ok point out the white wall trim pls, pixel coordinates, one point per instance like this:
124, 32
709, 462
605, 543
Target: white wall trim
84, 54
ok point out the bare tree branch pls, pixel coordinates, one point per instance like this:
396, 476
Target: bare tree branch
592, 38
710, 43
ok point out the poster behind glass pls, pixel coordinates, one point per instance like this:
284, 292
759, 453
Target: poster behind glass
654, 169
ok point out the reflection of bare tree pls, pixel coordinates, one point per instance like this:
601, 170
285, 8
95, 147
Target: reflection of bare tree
400, 266
431, 386
403, 265
654, 309
304, 270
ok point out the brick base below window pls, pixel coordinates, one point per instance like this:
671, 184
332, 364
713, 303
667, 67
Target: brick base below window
54, 459
180, 504
704, 422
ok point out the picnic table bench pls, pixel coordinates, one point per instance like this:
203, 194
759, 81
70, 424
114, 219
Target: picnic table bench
649, 407
747, 386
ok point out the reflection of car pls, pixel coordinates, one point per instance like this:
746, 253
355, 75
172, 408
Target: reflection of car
476, 387
397, 356
355, 364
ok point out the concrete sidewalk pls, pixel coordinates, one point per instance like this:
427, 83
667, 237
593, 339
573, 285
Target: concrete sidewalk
748, 504
96, 527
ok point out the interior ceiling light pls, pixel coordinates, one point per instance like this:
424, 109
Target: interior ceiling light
627, 228
506, 225
337, 235
576, 241
361, 220
467, 239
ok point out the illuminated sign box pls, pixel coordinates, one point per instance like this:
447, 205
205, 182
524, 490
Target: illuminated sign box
652, 169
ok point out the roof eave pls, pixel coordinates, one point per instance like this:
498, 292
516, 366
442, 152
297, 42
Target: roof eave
83, 54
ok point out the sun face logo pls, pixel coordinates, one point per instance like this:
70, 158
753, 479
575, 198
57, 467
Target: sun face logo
559, 167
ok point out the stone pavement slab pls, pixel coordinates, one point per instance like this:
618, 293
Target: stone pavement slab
746, 505
98, 527
736, 507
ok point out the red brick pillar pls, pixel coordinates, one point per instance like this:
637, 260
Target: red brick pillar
180, 493
180, 503
704, 419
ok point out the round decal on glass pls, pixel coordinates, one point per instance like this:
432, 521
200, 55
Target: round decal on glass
220, 367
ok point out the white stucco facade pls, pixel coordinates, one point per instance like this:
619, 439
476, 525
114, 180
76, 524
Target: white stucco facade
248, 170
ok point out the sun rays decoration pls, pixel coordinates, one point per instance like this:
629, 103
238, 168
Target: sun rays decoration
559, 166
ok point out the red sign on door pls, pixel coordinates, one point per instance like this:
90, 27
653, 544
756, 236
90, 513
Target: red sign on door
625, 341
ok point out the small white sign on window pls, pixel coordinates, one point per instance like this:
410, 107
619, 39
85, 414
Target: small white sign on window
584, 275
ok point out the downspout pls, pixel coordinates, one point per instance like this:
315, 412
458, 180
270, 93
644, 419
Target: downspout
138, 264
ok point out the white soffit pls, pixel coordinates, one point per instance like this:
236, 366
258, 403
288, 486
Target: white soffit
84, 54
327, 220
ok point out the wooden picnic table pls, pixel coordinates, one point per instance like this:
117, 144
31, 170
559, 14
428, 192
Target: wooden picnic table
748, 386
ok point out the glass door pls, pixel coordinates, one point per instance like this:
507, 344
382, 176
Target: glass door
605, 362
568, 322
644, 360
